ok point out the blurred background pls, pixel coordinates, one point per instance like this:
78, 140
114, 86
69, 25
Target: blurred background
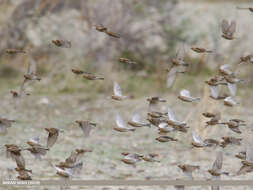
151, 33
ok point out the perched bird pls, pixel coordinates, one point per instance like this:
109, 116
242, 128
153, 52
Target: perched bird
186, 96
14, 51
131, 158
177, 125
136, 121
177, 63
125, 60
62, 43
230, 140
188, 169
197, 140
247, 164
234, 125
117, 92
246, 8
36, 149
150, 157
228, 101
153, 103
228, 30
53, 134
86, 126
121, 125
4, 124
201, 50
165, 139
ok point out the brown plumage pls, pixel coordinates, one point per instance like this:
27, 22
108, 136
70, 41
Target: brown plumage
86, 126
188, 169
62, 43
230, 140
201, 50
14, 51
52, 136
228, 30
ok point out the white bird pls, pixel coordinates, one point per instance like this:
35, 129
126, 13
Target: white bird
197, 140
136, 121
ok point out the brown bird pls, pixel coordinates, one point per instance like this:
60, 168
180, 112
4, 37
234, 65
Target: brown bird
150, 157
62, 43
112, 34
136, 121
77, 71
177, 125
14, 51
117, 92
165, 139
163, 127
234, 125
217, 166
4, 124
154, 102
186, 96
188, 169
208, 114
214, 120
86, 126
213, 84
125, 60
241, 155
36, 149
23, 174
14, 152
131, 158
229, 101
31, 72
211, 142
228, 30
52, 136
246, 59
176, 67
247, 164
197, 140
247, 8
91, 76
232, 82
201, 50
122, 125
100, 28
230, 140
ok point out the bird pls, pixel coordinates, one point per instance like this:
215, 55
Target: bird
4, 124
215, 171
136, 121
201, 50
53, 134
188, 169
224, 70
241, 155
176, 67
103, 29
23, 174
211, 142
247, 164
154, 102
186, 96
86, 126
177, 125
197, 140
229, 101
232, 83
245, 8
62, 43
213, 84
121, 125
112, 34
163, 127
100, 28
131, 158
228, 30
230, 140
14, 152
215, 119
165, 138
14, 51
75, 157
234, 124
246, 59
31, 74
117, 92
91, 76
150, 157
77, 71
36, 149
125, 60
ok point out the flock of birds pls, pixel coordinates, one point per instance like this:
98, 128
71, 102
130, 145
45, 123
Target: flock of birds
165, 123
